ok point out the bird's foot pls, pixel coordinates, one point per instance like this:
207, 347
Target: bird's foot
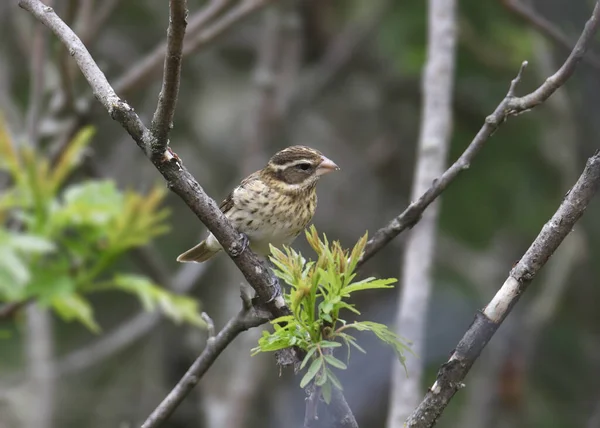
240, 246
276, 288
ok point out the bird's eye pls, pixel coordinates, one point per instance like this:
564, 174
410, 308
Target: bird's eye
303, 166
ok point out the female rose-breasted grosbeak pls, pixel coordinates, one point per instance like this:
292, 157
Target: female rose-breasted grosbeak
273, 205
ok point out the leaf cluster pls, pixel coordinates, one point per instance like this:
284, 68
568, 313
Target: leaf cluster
319, 295
59, 239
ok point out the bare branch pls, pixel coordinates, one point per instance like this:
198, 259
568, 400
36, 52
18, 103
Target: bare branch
509, 106
451, 374
418, 257
179, 180
339, 409
162, 122
545, 27
244, 320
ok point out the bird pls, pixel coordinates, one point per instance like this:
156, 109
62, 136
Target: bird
273, 205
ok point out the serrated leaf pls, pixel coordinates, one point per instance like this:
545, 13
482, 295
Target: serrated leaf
369, 284
312, 372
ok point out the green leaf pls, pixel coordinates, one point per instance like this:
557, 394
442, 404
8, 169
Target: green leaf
30, 243
312, 371
326, 392
334, 380
93, 203
75, 307
177, 308
369, 284
332, 361
321, 378
14, 267
308, 356
329, 344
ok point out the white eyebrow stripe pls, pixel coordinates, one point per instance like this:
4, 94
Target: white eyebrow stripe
287, 165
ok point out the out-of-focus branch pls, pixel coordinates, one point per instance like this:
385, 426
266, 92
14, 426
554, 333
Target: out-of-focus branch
265, 114
340, 411
37, 73
527, 13
129, 332
451, 374
511, 105
40, 367
434, 140
340, 53
97, 20
199, 35
162, 122
9, 310
245, 319
179, 180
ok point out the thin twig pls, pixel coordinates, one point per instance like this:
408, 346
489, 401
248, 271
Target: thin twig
37, 73
244, 320
97, 21
511, 105
162, 122
451, 374
546, 27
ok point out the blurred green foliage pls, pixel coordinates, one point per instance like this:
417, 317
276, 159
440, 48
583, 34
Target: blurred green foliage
318, 294
59, 239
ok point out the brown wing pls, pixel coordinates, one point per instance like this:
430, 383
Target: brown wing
227, 203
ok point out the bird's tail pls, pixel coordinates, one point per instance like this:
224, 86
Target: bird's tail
198, 254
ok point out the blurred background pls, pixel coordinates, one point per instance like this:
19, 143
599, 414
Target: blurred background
342, 77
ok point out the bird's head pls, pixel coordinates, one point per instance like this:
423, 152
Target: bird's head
298, 168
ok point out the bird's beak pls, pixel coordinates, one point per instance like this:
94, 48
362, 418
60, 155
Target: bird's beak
326, 166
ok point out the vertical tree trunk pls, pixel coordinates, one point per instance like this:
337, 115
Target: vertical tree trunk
40, 354
436, 124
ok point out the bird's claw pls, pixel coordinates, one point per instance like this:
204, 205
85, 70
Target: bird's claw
240, 246
276, 290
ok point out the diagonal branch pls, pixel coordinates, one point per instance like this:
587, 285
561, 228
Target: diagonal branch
199, 35
178, 178
162, 122
511, 105
545, 27
451, 374
243, 321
